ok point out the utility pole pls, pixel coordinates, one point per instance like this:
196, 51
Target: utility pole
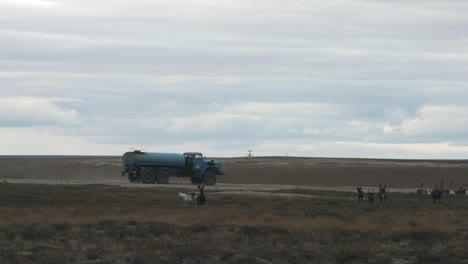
250, 153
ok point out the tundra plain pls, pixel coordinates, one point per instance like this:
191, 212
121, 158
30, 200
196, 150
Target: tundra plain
101, 223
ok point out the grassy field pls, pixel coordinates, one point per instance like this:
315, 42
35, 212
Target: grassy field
262, 170
109, 224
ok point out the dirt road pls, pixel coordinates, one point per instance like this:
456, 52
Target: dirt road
219, 187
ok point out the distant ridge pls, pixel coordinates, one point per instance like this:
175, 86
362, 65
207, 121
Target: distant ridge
455, 161
58, 157
449, 161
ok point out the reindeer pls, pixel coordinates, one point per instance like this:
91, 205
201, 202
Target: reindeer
448, 191
360, 193
201, 198
451, 190
441, 187
461, 189
421, 190
436, 194
370, 196
187, 198
382, 193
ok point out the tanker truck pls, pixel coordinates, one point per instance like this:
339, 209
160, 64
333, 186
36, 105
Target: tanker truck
151, 167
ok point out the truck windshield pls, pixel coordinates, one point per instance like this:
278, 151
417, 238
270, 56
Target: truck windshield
198, 157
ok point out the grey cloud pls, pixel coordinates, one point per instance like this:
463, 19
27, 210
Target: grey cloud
35, 111
139, 69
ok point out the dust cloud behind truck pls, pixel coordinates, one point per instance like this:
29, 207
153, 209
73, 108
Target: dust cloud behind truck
151, 167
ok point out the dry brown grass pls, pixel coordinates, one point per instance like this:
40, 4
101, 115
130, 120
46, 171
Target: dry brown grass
106, 224
262, 170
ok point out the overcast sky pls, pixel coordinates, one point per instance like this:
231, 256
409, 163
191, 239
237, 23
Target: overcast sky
369, 78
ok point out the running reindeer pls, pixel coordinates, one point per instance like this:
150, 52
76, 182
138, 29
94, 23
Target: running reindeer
461, 189
360, 193
201, 198
437, 192
194, 198
382, 193
421, 190
187, 198
451, 190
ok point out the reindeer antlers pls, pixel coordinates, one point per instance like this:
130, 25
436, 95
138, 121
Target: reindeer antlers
380, 185
202, 186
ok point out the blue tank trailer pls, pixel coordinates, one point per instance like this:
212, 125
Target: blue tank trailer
151, 167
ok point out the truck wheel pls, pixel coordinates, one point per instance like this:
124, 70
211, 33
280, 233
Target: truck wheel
209, 178
133, 177
147, 175
162, 176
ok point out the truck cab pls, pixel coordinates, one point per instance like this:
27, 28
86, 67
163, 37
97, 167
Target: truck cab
202, 170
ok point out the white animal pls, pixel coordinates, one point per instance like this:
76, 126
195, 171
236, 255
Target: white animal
188, 198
